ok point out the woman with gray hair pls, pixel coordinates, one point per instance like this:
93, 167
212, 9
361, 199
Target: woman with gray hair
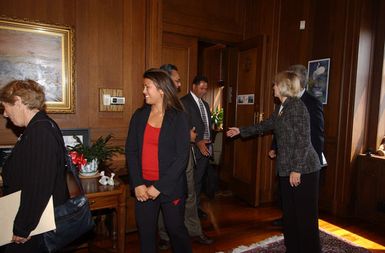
297, 164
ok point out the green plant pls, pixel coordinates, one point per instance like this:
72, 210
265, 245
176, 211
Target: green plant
217, 117
99, 149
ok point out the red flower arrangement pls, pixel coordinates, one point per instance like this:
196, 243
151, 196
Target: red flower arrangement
77, 159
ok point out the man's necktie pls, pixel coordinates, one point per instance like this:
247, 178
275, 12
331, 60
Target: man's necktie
206, 134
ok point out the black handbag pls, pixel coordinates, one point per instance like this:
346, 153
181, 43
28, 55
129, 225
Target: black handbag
73, 218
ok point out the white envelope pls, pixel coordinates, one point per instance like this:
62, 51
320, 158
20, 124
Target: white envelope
9, 205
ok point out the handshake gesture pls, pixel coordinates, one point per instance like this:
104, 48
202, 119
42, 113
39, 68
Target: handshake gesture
144, 193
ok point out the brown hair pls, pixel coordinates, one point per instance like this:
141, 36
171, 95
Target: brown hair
164, 82
30, 92
288, 83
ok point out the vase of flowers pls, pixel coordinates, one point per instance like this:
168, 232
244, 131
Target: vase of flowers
217, 118
88, 158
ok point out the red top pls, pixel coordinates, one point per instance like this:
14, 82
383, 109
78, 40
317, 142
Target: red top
150, 166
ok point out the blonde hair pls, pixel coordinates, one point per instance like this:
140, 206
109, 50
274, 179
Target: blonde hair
30, 92
288, 83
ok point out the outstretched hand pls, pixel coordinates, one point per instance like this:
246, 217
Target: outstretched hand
233, 131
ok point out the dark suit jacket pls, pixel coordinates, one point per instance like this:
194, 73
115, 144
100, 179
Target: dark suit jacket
292, 132
195, 119
315, 109
173, 152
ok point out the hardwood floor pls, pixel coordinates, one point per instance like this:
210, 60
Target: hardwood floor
232, 223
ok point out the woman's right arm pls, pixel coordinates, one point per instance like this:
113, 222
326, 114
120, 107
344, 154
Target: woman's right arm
253, 130
132, 153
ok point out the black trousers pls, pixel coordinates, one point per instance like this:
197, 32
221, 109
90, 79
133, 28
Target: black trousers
173, 215
300, 214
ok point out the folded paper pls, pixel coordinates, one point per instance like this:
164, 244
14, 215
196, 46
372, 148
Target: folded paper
9, 206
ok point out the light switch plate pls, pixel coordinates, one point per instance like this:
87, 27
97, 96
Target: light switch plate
105, 100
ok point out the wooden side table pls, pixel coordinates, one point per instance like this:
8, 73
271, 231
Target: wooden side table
114, 197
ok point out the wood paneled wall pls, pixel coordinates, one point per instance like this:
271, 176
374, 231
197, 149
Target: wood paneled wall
182, 51
109, 53
213, 20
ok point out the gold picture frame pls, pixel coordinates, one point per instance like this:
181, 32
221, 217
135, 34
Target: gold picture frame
41, 52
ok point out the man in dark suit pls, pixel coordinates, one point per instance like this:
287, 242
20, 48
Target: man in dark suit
200, 119
315, 109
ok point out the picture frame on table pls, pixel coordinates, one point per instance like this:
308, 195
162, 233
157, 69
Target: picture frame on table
5, 151
40, 52
318, 79
82, 133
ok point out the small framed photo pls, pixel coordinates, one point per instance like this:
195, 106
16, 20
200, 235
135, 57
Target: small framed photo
245, 99
82, 133
318, 79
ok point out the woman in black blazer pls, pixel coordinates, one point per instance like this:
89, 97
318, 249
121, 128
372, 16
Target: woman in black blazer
157, 151
297, 164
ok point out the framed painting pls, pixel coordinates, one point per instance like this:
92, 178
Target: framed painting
318, 79
43, 53
82, 133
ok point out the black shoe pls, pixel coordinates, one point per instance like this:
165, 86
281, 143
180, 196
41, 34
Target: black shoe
163, 244
202, 214
203, 239
278, 222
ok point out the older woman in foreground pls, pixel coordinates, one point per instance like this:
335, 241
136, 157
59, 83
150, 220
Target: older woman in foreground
297, 164
36, 164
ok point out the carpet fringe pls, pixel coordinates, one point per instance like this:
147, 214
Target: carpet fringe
243, 248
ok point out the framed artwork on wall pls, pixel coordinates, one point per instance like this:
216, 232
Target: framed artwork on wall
318, 79
82, 133
245, 99
43, 53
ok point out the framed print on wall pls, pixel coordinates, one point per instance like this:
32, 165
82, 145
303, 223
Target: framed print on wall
43, 53
318, 79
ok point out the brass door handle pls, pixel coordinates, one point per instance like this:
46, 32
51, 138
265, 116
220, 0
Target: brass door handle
258, 117
255, 117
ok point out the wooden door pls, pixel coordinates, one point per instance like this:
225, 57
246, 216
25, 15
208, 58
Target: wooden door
210, 65
181, 51
247, 157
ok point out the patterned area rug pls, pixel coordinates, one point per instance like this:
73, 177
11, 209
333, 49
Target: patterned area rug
330, 244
